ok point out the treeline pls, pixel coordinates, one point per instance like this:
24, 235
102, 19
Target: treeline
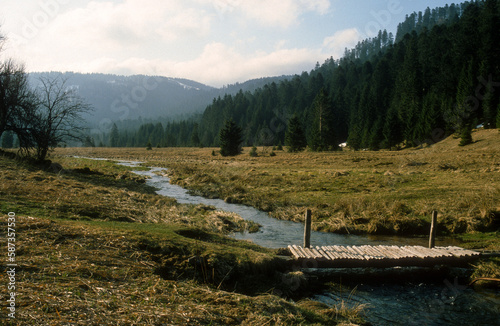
440, 76
170, 134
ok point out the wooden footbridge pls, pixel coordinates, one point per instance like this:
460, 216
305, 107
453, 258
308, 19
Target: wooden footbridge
379, 256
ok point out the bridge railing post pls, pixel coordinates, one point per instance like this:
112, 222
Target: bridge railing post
307, 229
432, 236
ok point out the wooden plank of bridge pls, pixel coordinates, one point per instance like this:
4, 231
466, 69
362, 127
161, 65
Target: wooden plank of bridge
368, 252
378, 252
354, 253
381, 255
301, 251
316, 253
322, 253
307, 253
333, 255
420, 253
295, 251
339, 252
460, 252
374, 251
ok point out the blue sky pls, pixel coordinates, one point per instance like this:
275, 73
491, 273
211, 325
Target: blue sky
215, 42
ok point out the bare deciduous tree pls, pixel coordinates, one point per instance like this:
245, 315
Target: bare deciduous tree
57, 116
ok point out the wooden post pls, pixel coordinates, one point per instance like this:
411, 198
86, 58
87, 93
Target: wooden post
432, 236
307, 230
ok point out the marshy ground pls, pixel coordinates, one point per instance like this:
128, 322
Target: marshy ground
96, 246
362, 192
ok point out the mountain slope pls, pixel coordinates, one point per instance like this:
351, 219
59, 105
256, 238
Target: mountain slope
119, 98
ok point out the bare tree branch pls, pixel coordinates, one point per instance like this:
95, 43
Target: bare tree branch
58, 115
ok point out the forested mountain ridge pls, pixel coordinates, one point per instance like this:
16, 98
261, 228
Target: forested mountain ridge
118, 98
418, 90
125, 99
440, 75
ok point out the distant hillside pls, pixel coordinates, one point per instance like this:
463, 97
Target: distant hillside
120, 98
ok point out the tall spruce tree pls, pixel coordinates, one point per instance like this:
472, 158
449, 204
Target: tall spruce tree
490, 66
409, 86
295, 138
322, 131
392, 129
230, 139
114, 137
466, 108
195, 138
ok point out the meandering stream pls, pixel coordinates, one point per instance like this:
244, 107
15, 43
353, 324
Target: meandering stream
439, 302
273, 233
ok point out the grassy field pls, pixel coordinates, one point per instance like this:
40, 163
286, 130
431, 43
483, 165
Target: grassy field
96, 246
349, 192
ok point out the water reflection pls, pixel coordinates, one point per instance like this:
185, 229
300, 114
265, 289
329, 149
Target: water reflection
448, 303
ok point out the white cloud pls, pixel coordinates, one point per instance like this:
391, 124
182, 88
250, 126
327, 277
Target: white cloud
320, 6
175, 38
128, 23
276, 13
337, 43
217, 65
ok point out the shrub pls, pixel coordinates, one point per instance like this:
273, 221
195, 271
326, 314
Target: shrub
253, 152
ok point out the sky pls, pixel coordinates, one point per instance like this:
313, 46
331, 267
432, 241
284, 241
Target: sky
215, 42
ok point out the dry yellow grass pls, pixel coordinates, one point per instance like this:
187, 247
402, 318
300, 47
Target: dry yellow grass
77, 274
95, 246
349, 192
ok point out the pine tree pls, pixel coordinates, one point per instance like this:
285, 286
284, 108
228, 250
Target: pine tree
355, 129
409, 89
195, 139
466, 136
392, 129
253, 152
230, 139
114, 136
322, 131
489, 108
464, 110
295, 139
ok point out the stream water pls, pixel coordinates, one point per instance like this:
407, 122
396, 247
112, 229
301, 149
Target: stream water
441, 301
273, 233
